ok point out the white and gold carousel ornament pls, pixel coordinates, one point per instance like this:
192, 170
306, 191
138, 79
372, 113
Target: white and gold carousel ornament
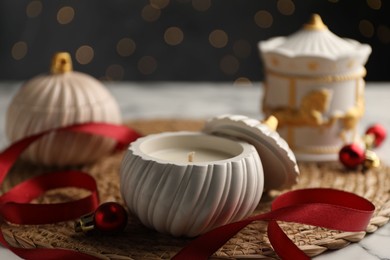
314, 86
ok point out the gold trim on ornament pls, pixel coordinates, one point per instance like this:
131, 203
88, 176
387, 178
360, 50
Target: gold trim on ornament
61, 63
317, 150
311, 110
315, 23
292, 94
325, 78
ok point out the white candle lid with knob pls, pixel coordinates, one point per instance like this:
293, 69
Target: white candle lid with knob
279, 163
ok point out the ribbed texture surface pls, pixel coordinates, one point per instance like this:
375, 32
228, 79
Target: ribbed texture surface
279, 163
51, 101
190, 200
315, 43
312, 42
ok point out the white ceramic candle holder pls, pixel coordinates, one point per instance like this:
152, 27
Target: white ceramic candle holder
186, 183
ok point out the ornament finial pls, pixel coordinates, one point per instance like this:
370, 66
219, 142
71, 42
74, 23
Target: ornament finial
61, 63
315, 23
271, 122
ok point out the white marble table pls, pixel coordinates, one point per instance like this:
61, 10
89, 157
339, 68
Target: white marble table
203, 100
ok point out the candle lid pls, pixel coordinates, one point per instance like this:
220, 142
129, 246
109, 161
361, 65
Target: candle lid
279, 163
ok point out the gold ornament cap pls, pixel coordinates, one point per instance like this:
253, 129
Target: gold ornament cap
85, 223
61, 63
371, 160
315, 23
271, 122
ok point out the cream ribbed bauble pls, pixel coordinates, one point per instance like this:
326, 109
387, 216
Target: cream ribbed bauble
61, 98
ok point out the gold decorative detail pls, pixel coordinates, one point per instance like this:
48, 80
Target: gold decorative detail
292, 94
371, 160
275, 61
350, 64
317, 149
271, 122
351, 118
315, 23
61, 63
313, 66
324, 78
310, 112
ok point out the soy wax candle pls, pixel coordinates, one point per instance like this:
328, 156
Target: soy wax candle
187, 183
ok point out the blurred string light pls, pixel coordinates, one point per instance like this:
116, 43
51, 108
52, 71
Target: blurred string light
65, 15
218, 38
374, 4
201, 5
173, 35
34, 9
160, 4
84, 54
150, 13
19, 50
229, 64
264, 19
147, 65
286, 7
125, 47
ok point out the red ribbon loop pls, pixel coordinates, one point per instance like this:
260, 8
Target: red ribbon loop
327, 208
15, 206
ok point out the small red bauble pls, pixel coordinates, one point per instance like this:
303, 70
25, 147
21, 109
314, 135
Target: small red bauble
110, 217
379, 133
351, 156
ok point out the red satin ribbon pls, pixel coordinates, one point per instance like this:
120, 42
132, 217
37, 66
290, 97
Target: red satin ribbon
15, 206
327, 208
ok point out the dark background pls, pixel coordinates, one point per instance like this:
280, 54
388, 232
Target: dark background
176, 40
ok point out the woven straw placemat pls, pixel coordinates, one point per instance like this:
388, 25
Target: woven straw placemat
138, 242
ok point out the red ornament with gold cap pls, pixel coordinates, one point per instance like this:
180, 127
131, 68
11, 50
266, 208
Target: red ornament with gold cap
109, 217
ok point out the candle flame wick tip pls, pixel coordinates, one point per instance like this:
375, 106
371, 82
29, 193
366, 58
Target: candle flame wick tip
191, 156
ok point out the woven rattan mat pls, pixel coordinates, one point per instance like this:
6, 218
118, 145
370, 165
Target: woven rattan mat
138, 242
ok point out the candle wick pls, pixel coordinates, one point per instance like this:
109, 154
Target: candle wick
191, 156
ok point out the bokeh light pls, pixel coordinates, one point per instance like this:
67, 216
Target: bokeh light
84, 54
65, 15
